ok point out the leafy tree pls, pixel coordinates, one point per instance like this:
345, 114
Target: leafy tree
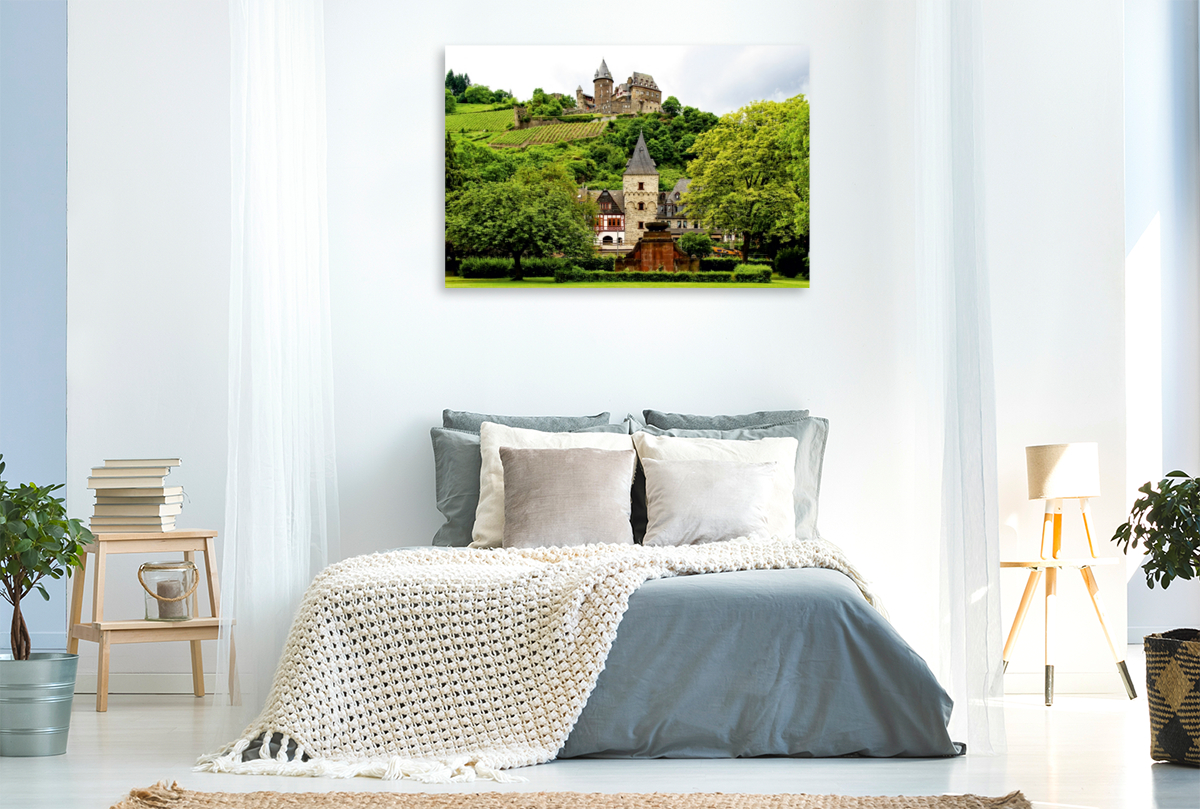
457, 83
544, 105
672, 106
696, 244
454, 174
451, 104
743, 177
478, 94
795, 141
533, 214
699, 121
792, 261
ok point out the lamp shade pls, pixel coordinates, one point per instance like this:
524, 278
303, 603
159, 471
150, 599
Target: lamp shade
1063, 470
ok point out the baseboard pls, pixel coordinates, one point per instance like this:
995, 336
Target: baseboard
1136, 633
142, 683
46, 641
1065, 682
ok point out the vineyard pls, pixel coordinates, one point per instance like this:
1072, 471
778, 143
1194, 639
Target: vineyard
494, 121
549, 134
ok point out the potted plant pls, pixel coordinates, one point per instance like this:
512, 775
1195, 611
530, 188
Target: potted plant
1166, 522
36, 688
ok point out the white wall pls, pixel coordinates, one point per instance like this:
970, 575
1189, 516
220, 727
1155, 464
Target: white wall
1162, 241
148, 266
149, 238
1056, 252
405, 347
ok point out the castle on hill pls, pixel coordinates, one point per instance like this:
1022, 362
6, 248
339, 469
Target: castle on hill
638, 93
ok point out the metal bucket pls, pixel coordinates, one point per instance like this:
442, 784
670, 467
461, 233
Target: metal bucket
35, 703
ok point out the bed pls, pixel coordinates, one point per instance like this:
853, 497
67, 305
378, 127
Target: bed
572, 641
760, 663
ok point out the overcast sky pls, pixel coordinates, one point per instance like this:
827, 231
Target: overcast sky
714, 78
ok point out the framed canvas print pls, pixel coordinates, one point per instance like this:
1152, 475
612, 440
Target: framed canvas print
627, 166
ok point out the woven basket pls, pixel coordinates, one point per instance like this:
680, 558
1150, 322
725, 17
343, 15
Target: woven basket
1173, 692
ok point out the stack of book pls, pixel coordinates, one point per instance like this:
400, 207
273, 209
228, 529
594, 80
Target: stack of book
132, 496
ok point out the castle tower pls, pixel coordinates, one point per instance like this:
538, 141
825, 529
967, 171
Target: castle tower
640, 182
602, 83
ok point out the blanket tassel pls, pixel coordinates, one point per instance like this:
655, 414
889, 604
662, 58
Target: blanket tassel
458, 769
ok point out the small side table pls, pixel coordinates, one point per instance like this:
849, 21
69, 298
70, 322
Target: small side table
106, 633
1051, 567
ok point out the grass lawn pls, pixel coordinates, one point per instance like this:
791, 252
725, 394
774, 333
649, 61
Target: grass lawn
454, 282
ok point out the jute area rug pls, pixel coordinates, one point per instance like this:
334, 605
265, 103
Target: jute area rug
162, 796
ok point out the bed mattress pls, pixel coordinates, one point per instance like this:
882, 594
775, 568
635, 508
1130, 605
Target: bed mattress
760, 663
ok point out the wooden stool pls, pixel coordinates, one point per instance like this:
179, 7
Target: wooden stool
106, 633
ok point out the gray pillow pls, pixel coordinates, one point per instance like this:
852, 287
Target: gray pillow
456, 464
463, 420
685, 421
811, 433
565, 497
695, 501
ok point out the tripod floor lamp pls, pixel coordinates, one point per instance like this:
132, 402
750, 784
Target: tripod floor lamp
1059, 472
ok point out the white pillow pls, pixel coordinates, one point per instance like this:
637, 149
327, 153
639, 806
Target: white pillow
691, 502
489, 514
781, 516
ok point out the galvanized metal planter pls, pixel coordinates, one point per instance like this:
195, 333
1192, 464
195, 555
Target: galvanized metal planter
35, 703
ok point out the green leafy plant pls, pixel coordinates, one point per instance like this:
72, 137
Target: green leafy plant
1166, 521
696, 244
791, 262
36, 540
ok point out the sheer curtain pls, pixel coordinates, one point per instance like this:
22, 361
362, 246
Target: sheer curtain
957, 428
281, 507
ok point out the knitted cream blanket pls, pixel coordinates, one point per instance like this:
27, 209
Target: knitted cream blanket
447, 666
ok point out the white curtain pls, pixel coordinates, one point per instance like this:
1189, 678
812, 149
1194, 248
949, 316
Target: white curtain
957, 426
281, 508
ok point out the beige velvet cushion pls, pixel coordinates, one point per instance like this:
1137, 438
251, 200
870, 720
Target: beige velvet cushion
488, 531
781, 515
690, 502
566, 496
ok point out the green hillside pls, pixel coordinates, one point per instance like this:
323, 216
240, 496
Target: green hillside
493, 121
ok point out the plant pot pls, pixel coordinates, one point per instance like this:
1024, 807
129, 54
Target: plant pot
35, 703
1173, 693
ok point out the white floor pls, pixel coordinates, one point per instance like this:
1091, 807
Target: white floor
1082, 752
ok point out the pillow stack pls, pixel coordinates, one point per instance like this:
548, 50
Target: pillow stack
676, 479
494, 497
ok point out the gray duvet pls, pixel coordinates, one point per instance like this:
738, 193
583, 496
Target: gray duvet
760, 663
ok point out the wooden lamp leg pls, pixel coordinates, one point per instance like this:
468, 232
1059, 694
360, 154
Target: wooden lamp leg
1086, 512
1051, 605
1035, 576
1048, 517
1057, 506
1093, 588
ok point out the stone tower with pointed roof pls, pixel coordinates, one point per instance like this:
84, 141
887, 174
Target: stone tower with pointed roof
640, 183
602, 84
